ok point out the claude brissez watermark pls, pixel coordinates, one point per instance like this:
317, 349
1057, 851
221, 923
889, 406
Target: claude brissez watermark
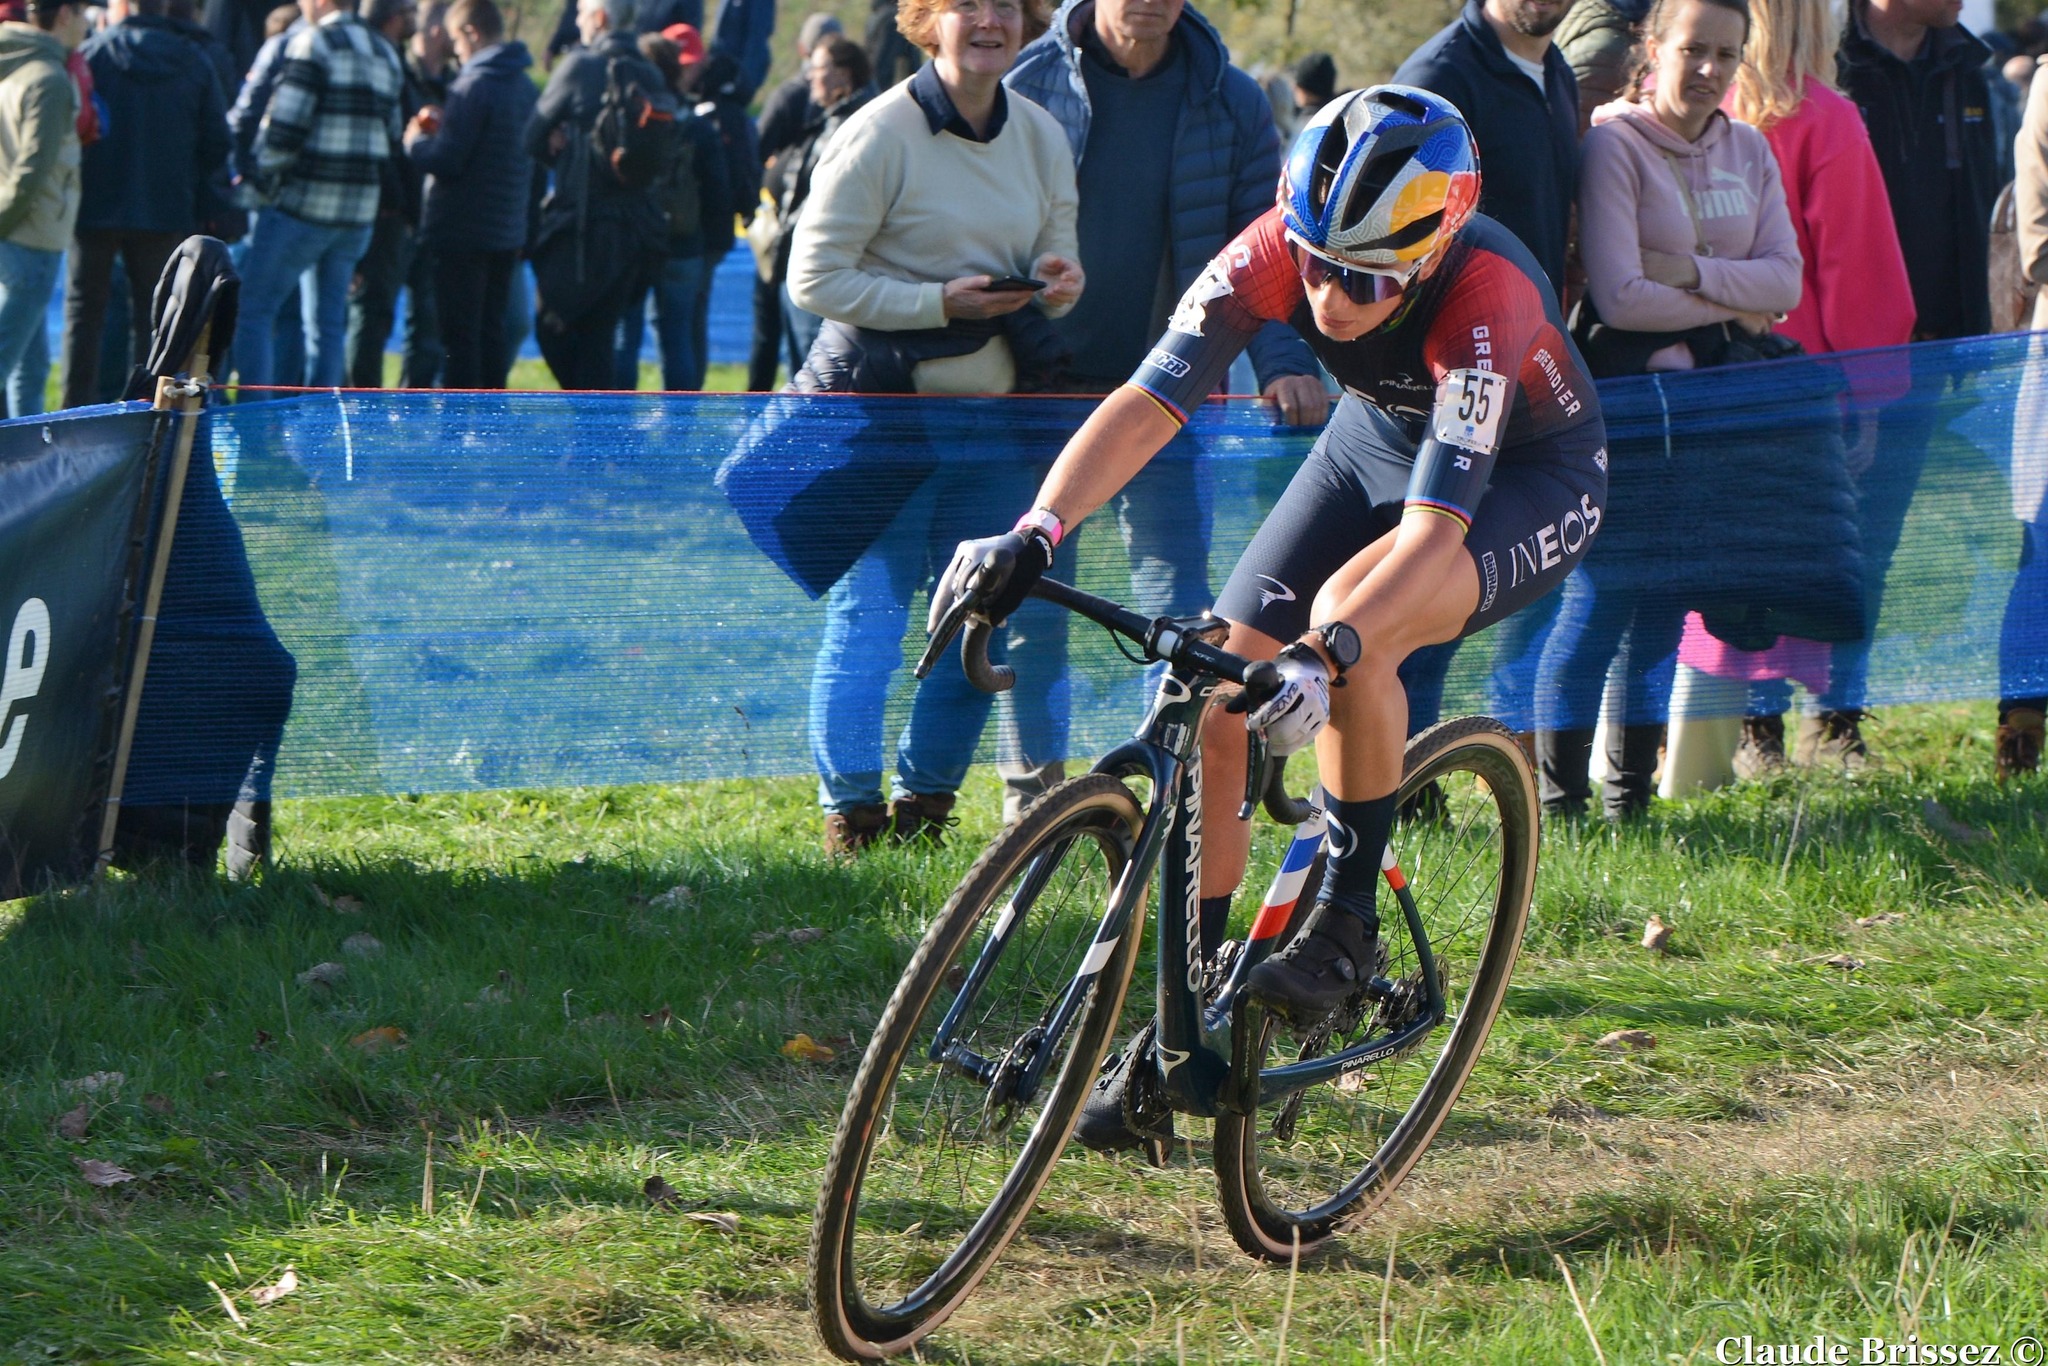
1911, 1350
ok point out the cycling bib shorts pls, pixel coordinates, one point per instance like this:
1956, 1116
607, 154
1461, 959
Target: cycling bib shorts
1533, 523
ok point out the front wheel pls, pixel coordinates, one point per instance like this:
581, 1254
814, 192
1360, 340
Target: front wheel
975, 1074
1308, 1166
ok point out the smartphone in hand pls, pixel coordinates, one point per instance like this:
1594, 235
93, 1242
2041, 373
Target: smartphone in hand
1006, 284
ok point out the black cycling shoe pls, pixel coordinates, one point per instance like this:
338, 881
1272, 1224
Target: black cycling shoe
1325, 966
1123, 1109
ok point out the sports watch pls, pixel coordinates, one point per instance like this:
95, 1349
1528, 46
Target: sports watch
1341, 643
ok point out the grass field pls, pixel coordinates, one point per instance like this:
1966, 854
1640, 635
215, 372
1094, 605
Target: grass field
572, 992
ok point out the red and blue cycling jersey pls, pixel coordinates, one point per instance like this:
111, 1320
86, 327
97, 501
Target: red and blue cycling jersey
1476, 365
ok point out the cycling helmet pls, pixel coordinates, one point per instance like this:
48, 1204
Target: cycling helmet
1380, 180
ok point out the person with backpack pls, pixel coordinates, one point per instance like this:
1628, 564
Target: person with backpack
605, 127
691, 195
479, 183
841, 83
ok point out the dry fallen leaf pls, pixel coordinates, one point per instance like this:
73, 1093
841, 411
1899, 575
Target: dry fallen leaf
1871, 922
1656, 934
1947, 826
101, 1174
158, 1103
724, 1223
362, 946
379, 1040
234, 1314
323, 975
97, 1082
270, 1294
216, 1078
1628, 1038
73, 1124
804, 1048
1844, 962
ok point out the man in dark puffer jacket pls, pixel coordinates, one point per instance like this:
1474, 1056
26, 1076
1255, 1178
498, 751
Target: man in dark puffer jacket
1166, 134
479, 189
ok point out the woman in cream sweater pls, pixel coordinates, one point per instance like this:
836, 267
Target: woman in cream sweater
936, 190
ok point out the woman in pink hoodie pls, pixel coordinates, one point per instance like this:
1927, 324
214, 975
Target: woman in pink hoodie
1855, 296
1684, 235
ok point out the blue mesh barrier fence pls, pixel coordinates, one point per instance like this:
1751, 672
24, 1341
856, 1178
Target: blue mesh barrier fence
487, 591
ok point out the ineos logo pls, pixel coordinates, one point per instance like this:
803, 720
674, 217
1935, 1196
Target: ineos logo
28, 653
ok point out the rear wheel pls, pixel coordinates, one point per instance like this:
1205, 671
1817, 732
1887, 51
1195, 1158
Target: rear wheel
1310, 1165
937, 1162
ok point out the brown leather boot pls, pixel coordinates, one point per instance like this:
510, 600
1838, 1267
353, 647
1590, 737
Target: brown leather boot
2019, 743
1834, 738
849, 833
1760, 753
920, 816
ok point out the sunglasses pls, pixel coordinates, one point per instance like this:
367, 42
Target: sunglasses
1360, 286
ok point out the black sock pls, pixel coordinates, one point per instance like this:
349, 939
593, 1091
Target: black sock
1215, 922
1357, 840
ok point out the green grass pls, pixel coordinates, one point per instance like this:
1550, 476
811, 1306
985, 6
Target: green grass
1807, 1149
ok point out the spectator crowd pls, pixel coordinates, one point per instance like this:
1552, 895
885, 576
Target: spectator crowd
990, 196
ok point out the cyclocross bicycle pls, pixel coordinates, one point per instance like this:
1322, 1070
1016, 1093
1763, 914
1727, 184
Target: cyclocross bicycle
976, 1072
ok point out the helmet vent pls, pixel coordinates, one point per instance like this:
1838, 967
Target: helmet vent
1413, 108
1329, 160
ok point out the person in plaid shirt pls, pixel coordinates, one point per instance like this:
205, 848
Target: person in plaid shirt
319, 163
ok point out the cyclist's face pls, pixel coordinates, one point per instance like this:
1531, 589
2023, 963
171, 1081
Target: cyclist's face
1340, 319
1346, 303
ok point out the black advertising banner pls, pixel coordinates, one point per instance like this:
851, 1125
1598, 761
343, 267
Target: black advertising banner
70, 495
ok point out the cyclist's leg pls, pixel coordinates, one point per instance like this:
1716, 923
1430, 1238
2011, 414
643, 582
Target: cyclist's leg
1402, 593
1346, 494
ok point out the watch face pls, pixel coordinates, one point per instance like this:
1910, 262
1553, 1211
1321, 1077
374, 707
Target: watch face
1342, 643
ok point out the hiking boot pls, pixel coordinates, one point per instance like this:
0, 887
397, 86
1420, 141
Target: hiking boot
921, 816
1323, 967
851, 832
1760, 753
1024, 784
1833, 738
1124, 1109
2019, 743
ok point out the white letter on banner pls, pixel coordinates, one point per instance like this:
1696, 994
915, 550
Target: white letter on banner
23, 676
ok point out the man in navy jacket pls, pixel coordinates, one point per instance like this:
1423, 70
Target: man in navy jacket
1496, 63
479, 191
146, 185
1175, 153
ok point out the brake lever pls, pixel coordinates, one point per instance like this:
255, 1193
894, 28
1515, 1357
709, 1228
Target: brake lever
949, 626
1256, 754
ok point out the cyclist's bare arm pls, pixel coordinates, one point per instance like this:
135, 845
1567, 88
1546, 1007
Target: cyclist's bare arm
1123, 433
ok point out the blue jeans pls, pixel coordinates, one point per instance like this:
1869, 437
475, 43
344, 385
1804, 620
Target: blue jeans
676, 293
2023, 637
866, 614
27, 279
1884, 495
1606, 614
318, 260
802, 331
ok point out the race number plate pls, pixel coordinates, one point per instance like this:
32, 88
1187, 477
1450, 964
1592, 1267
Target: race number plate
1471, 409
